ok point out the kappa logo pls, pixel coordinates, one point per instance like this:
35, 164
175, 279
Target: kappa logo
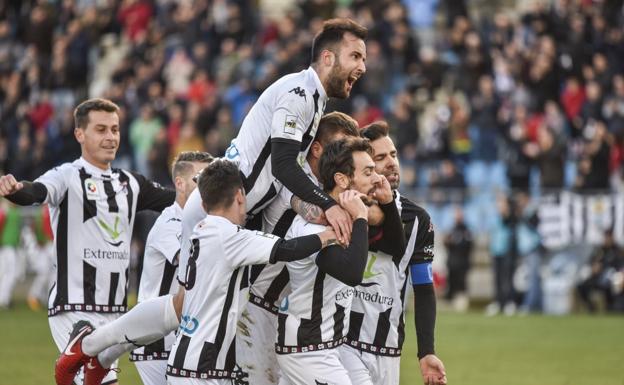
112, 232
299, 91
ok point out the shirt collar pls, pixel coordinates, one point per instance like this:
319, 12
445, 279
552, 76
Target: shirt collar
312, 73
93, 170
308, 170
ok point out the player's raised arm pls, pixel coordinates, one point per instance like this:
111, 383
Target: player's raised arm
23, 193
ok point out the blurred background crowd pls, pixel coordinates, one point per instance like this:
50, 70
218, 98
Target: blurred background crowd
495, 106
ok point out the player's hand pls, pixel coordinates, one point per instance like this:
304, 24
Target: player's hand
375, 215
340, 221
351, 201
432, 370
9, 185
383, 193
328, 237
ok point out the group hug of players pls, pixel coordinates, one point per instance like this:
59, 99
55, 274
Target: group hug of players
285, 261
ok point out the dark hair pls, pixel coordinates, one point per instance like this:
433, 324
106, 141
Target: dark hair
332, 33
338, 157
81, 113
218, 183
335, 123
376, 130
182, 163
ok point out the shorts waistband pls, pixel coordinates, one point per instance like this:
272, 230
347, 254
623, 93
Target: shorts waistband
281, 349
86, 308
210, 374
263, 303
154, 356
374, 349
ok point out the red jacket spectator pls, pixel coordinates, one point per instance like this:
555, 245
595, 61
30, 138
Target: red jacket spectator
135, 16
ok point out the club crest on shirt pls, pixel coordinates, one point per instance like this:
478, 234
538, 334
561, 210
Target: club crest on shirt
91, 189
290, 124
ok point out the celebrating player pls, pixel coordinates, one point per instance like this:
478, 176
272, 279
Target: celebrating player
314, 323
376, 332
160, 263
93, 207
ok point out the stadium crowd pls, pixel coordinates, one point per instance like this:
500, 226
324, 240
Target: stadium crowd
528, 98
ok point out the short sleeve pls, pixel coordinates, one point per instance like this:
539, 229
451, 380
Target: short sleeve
55, 182
152, 196
165, 238
192, 214
247, 247
423, 247
291, 115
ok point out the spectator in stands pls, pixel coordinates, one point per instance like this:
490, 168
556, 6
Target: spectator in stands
484, 121
530, 250
501, 251
448, 184
593, 175
515, 154
458, 244
549, 153
143, 132
597, 275
11, 222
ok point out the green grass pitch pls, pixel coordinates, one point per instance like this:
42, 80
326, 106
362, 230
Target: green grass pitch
529, 350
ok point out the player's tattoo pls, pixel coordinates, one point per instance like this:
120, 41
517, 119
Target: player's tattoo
310, 212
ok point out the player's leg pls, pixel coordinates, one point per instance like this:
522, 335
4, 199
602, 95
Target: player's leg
9, 271
61, 325
152, 372
171, 380
145, 323
355, 364
255, 345
321, 367
389, 369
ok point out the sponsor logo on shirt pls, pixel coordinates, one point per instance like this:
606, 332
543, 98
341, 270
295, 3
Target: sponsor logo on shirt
365, 296
88, 253
298, 91
188, 324
232, 152
112, 231
91, 189
290, 124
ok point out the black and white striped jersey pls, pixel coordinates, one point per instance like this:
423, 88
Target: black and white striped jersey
92, 213
377, 322
314, 317
216, 281
160, 266
269, 283
290, 109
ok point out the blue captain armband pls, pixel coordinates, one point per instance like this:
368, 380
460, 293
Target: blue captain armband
421, 273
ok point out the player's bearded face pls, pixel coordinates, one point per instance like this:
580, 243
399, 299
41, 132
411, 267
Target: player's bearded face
386, 160
341, 80
365, 179
337, 79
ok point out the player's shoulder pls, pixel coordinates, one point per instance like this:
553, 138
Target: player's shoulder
410, 210
68, 167
300, 227
171, 216
296, 87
